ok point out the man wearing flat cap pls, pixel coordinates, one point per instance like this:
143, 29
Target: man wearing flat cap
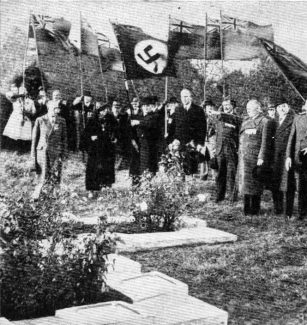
49, 147
297, 158
83, 108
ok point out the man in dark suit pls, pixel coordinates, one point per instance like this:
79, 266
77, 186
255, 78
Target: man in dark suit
49, 147
297, 158
283, 184
83, 109
227, 129
189, 125
147, 134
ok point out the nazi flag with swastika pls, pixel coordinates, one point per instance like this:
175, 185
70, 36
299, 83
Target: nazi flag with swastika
144, 56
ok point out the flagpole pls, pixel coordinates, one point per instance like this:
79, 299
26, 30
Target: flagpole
124, 67
165, 110
290, 83
206, 54
37, 54
100, 66
82, 91
133, 86
222, 52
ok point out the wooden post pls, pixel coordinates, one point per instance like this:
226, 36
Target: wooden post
205, 55
165, 110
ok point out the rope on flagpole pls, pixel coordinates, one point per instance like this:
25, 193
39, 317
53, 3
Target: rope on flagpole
37, 53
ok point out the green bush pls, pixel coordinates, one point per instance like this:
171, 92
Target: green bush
43, 267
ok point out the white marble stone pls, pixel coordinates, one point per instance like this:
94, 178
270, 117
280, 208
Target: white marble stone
44, 321
191, 311
186, 236
146, 285
4, 321
109, 313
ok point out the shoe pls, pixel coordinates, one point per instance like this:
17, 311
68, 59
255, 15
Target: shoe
204, 177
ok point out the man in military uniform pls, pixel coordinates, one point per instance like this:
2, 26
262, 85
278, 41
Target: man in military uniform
297, 158
227, 142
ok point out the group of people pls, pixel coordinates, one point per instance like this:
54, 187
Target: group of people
245, 154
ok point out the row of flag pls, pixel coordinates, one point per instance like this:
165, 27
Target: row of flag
140, 55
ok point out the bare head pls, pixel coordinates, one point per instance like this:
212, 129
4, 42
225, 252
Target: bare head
186, 97
283, 110
56, 95
228, 106
253, 108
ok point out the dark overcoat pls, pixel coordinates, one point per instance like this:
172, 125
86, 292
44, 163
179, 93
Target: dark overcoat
190, 125
124, 140
98, 141
134, 168
282, 180
297, 140
255, 143
148, 134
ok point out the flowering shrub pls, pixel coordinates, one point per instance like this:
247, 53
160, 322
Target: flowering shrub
43, 267
158, 202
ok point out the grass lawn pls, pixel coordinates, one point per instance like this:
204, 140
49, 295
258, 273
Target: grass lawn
260, 279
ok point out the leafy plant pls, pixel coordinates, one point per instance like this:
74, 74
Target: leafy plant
43, 265
157, 202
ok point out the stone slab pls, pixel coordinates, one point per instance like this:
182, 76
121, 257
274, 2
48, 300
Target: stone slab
4, 321
190, 236
151, 284
120, 267
192, 311
52, 320
111, 313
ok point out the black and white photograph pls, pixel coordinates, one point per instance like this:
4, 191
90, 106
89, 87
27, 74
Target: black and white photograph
153, 162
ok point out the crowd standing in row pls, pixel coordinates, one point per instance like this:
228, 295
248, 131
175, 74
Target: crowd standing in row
245, 154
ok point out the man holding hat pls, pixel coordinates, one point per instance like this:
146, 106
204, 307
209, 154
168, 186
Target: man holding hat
297, 158
190, 127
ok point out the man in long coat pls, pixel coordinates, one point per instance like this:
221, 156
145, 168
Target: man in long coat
148, 136
297, 158
49, 147
227, 142
189, 124
255, 144
98, 140
283, 183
